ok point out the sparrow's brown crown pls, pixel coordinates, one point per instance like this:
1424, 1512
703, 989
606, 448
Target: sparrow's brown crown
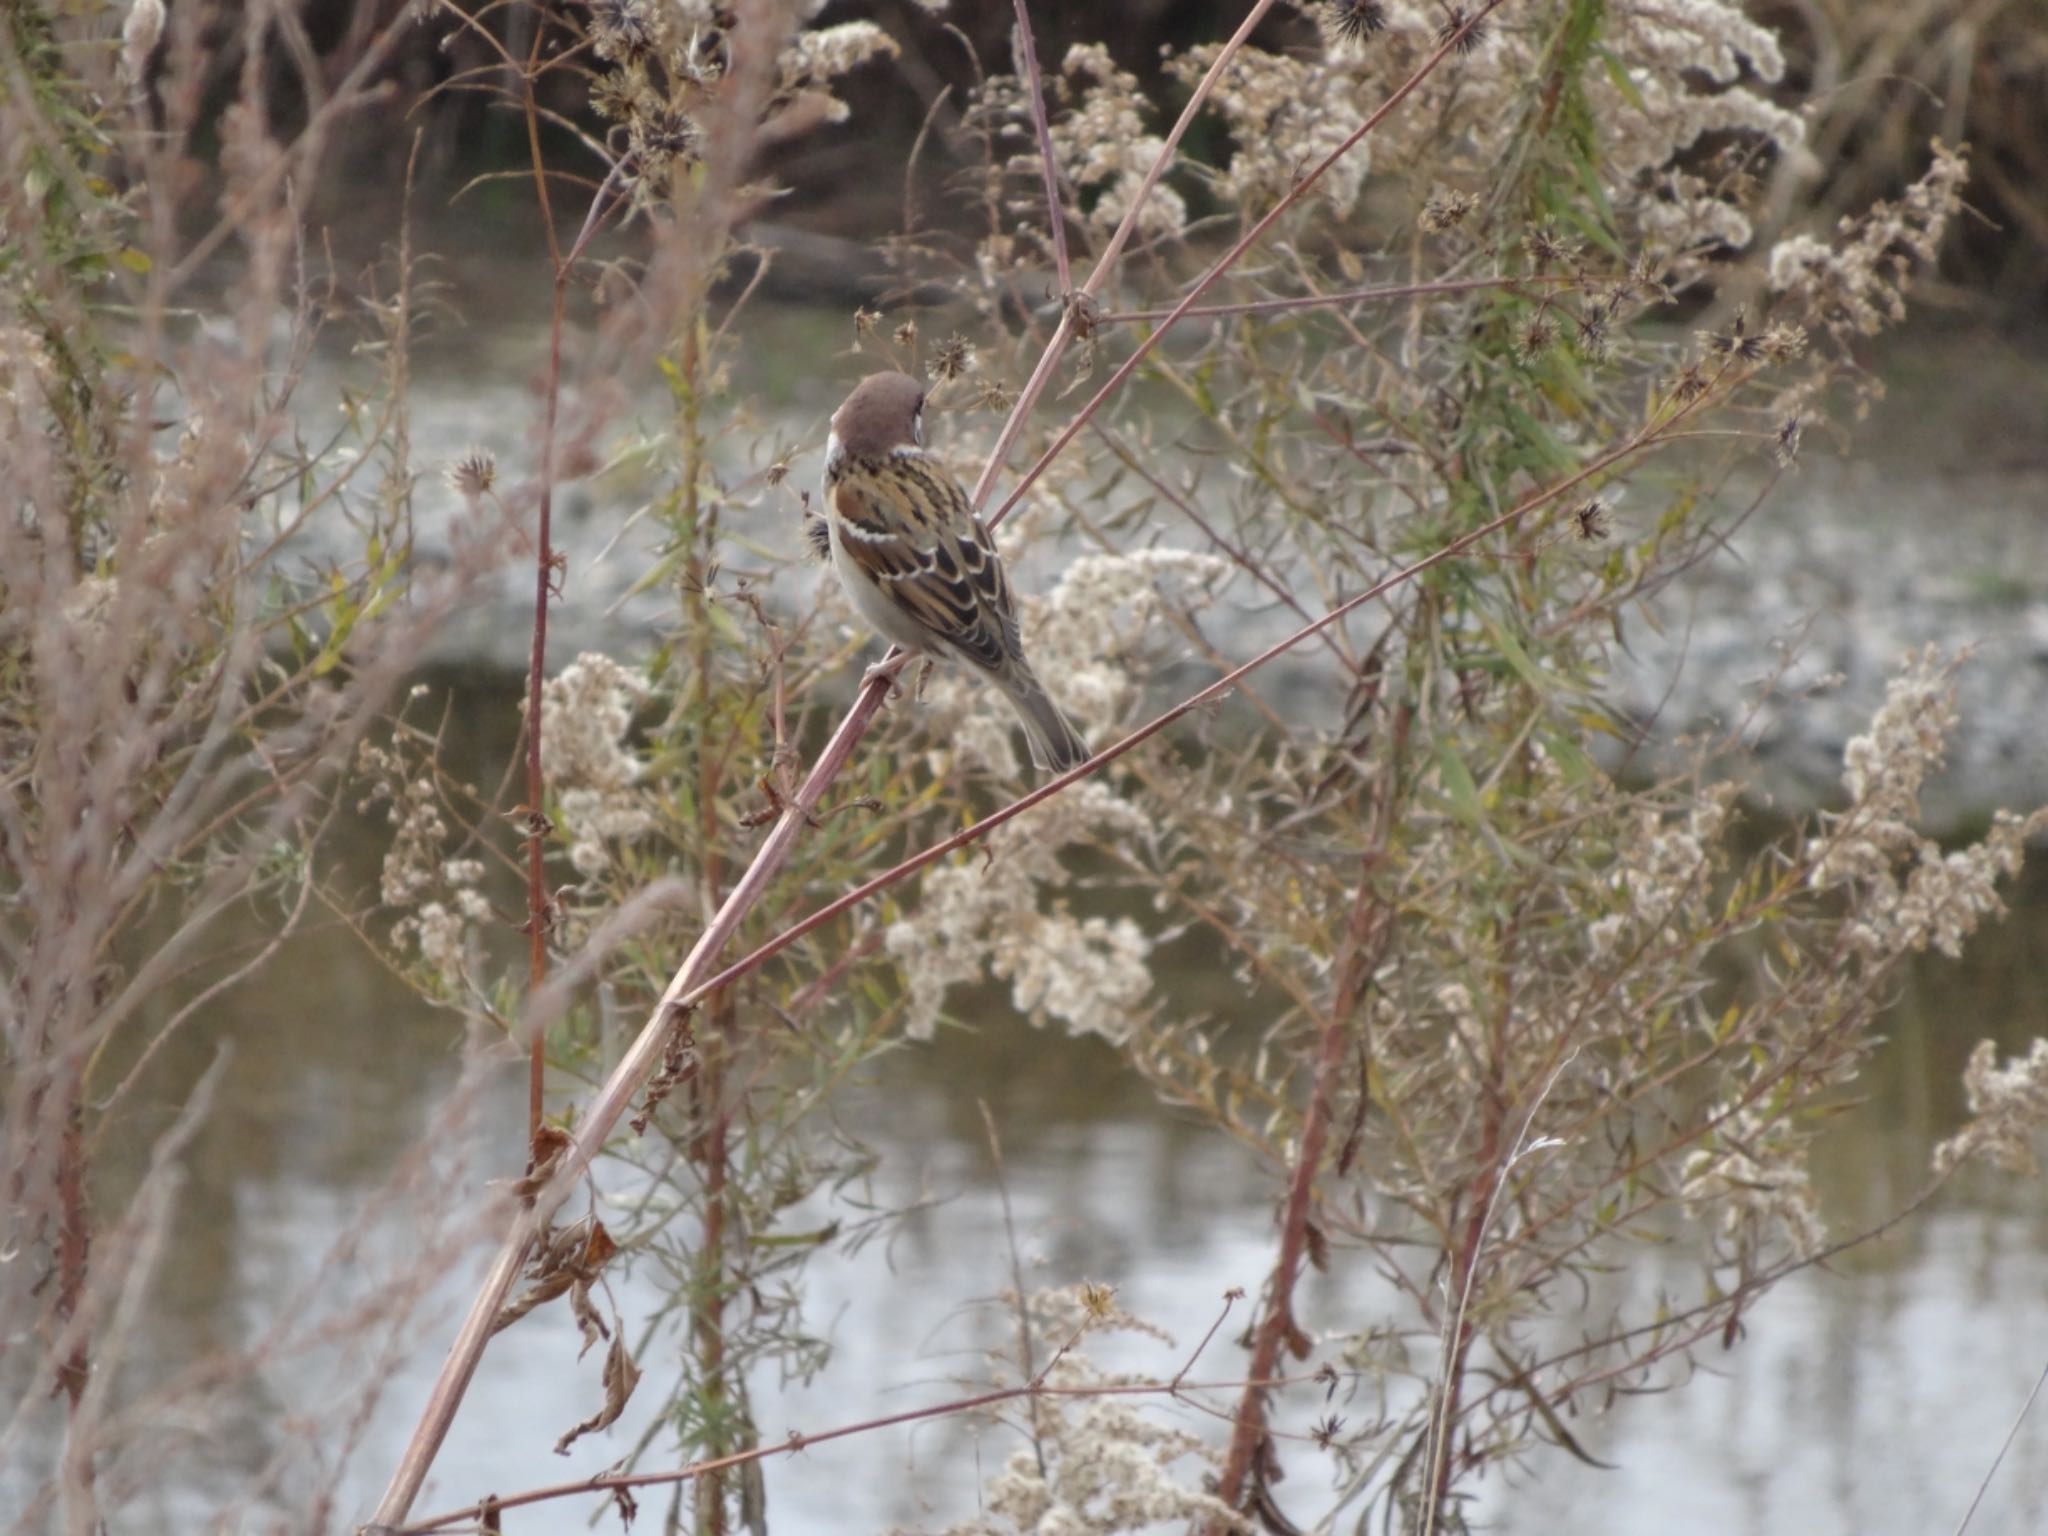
883, 413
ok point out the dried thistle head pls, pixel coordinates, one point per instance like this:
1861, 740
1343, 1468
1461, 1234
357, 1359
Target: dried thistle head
955, 356
1737, 345
1536, 338
1596, 335
1690, 384
623, 31
1782, 343
472, 476
1546, 248
1445, 209
1355, 20
1463, 30
906, 335
993, 396
1590, 520
661, 138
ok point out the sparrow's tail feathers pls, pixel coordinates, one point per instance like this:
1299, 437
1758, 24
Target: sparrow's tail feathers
1055, 745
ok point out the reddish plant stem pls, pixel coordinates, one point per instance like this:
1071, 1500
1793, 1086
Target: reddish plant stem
1027, 49
708, 1323
74, 1233
604, 1113
1364, 942
537, 905
1444, 287
795, 1442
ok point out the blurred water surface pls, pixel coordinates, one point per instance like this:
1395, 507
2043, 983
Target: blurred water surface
1868, 1398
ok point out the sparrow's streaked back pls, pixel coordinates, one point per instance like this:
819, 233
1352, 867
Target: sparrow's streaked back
917, 563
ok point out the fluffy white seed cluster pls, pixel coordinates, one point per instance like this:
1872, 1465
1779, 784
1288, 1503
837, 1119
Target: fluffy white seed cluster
1672, 72
995, 913
439, 896
1940, 897
1098, 617
1662, 876
1101, 143
2008, 1111
585, 714
1107, 1467
816, 59
1857, 284
990, 914
1285, 114
1754, 1175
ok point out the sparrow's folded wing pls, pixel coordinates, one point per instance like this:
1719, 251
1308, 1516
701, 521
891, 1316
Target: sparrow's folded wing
929, 555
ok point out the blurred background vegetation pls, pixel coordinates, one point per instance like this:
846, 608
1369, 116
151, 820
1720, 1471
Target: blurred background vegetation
1880, 79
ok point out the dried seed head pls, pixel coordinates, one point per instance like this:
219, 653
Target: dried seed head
865, 321
1445, 209
993, 396
1737, 345
613, 96
472, 476
954, 357
1596, 340
1463, 31
1547, 248
1786, 449
1355, 20
1782, 343
1591, 520
1536, 338
906, 334
622, 31
661, 138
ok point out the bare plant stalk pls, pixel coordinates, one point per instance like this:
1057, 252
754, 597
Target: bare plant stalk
538, 906
1368, 295
1034, 82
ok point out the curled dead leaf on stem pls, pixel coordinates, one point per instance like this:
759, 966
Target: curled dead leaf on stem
568, 1262
621, 1376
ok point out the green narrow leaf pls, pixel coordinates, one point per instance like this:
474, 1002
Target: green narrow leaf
1519, 659
1464, 794
1618, 73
